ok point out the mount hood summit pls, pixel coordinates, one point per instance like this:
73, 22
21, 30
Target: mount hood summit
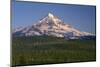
51, 26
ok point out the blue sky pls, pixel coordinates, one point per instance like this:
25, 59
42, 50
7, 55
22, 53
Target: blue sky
28, 13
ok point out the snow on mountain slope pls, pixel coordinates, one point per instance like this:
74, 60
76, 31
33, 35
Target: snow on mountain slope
51, 26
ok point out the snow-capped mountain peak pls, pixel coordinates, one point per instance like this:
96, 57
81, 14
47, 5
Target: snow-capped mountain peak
50, 25
50, 15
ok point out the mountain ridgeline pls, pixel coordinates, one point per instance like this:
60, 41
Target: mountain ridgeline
52, 26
